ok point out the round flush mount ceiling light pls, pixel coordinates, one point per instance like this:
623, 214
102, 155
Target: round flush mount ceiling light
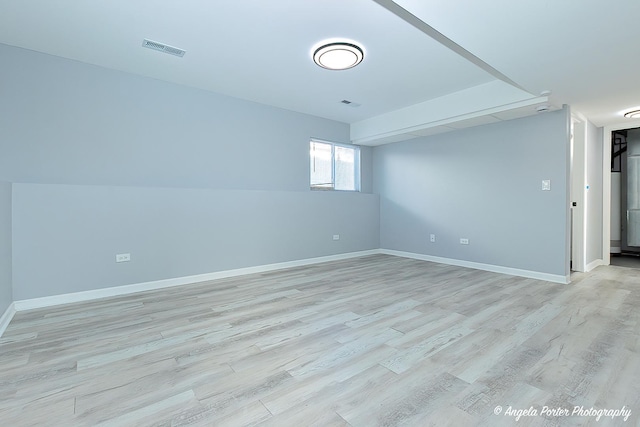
338, 55
633, 114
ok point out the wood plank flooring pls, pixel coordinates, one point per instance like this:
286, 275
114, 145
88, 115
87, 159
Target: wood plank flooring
373, 341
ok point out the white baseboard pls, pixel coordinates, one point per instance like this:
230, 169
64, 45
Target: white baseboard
556, 278
593, 264
6, 318
53, 300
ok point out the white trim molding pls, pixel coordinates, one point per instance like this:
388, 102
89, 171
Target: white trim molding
53, 300
556, 278
594, 264
6, 318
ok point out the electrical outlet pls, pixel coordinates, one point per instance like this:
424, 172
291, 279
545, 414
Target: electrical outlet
432, 238
546, 185
464, 241
123, 257
336, 237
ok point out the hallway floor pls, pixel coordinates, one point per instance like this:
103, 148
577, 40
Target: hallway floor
626, 260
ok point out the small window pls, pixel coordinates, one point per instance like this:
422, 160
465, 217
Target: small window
334, 166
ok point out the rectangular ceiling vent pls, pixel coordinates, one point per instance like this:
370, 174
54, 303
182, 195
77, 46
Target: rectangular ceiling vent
350, 103
163, 48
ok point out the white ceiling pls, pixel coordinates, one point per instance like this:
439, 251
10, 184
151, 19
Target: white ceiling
581, 50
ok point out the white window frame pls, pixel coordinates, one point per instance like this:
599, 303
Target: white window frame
356, 165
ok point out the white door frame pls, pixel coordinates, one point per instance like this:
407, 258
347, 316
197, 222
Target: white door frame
578, 192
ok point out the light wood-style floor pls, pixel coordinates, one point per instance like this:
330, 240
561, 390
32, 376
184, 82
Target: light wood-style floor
373, 341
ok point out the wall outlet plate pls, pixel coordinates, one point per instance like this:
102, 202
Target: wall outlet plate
123, 257
336, 237
464, 241
432, 238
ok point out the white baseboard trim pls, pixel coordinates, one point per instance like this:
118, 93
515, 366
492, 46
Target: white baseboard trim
593, 264
556, 278
33, 303
6, 318
53, 300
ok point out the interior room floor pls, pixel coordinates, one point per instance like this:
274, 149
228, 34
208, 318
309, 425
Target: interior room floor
626, 260
373, 341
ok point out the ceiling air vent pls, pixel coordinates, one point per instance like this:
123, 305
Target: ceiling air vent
349, 103
163, 48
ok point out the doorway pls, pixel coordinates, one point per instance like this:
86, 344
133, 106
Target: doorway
577, 193
607, 201
625, 198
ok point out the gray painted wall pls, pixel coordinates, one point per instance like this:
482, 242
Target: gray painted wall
594, 166
185, 180
483, 184
66, 237
6, 293
66, 122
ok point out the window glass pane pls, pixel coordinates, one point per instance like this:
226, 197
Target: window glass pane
320, 165
345, 168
